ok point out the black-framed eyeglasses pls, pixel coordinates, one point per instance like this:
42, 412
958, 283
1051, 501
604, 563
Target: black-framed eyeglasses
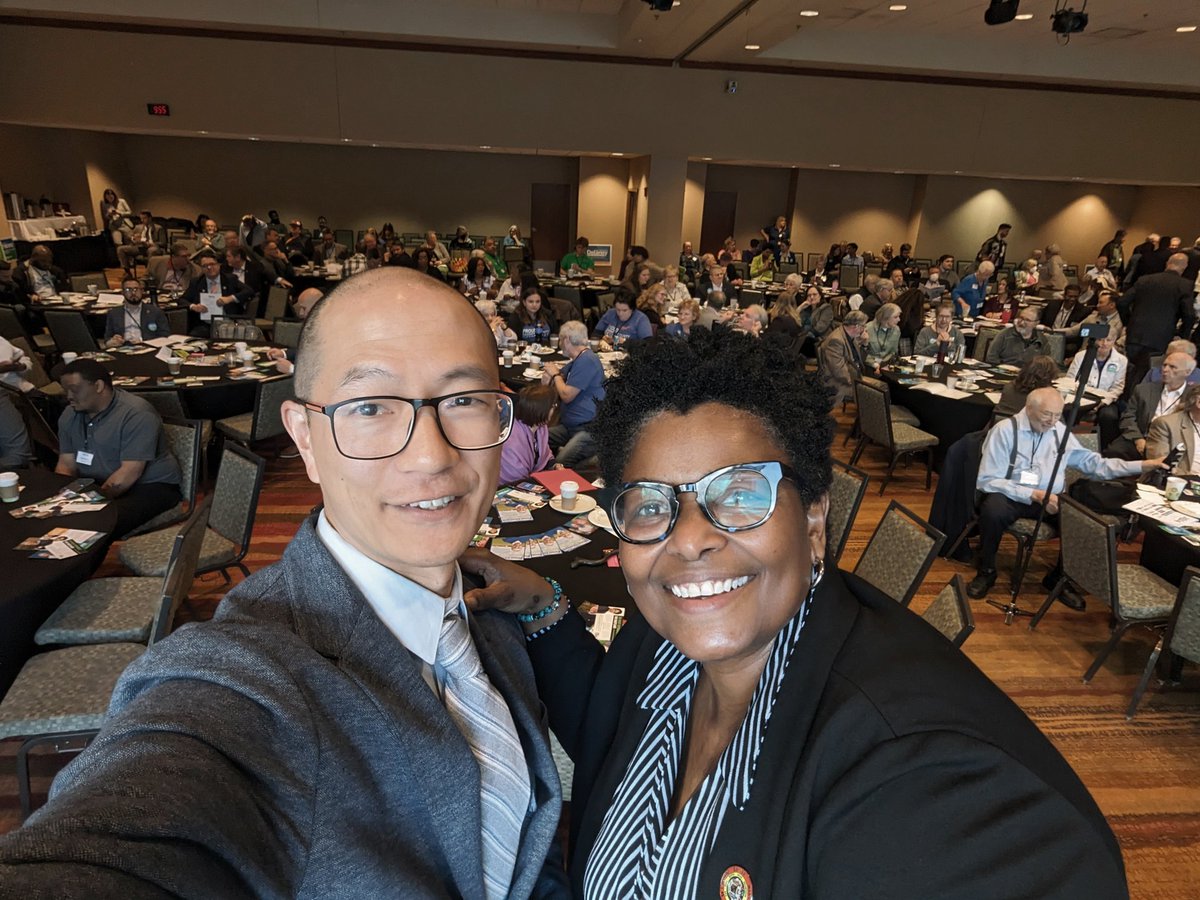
380, 427
733, 498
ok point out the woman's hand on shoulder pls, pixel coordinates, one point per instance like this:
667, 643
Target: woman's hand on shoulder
509, 587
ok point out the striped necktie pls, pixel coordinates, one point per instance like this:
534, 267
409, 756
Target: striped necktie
485, 721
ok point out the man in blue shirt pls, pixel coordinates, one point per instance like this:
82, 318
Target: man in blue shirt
623, 323
1015, 478
580, 386
969, 294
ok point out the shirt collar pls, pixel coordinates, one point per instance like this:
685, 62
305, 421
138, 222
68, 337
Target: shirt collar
412, 613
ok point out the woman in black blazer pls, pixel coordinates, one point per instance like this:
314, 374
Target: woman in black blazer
764, 727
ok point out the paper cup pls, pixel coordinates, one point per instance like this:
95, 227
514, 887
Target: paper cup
10, 487
952, 381
508, 357
568, 492
1173, 490
240, 346
69, 358
173, 365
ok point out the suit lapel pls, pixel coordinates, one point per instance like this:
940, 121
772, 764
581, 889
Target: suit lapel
335, 618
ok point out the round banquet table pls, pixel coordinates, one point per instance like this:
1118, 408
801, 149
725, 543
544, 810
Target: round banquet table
206, 400
599, 585
33, 588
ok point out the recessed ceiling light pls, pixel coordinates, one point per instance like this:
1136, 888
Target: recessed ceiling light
345, 140
204, 132
753, 46
616, 154
835, 165
809, 13
676, 3
1024, 17
374, 145
706, 158
485, 146
1186, 29
253, 139
958, 171
898, 7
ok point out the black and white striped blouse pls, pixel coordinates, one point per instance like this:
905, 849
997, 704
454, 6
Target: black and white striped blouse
638, 854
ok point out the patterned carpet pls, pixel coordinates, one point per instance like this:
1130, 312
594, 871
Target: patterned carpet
1145, 774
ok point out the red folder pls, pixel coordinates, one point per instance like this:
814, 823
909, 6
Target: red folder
553, 479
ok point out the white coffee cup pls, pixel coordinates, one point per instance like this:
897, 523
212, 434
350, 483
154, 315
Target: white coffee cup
920, 366
247, 356
69, 358
568, 491
10, 487
173, 365
1173, 491
508, 357
952, 381
240, 346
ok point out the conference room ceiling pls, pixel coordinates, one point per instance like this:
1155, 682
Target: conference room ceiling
1128, 43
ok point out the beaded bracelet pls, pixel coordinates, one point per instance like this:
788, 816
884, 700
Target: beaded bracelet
552, 625
549, 608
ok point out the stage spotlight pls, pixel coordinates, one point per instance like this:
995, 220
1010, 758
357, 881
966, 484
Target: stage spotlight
1068, 21
1001, 11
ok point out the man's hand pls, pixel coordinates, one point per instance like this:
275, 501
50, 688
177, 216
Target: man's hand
226, 300
12, 366
1140, 444
510, 587
1150, 465
116, 340
276, 353
197, 307
552, 369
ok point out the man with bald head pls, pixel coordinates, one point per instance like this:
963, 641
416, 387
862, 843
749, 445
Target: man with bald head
342, 727
1014, 477
1156, 309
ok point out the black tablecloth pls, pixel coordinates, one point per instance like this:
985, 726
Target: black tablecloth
33, 588
207, 400
95, 316
947, 418
1167, 555
601, 585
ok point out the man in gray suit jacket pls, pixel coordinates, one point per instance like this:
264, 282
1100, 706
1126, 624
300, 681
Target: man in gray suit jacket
1149, 401
301, 744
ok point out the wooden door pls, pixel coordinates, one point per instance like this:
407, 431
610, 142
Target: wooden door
717, 222
550, 221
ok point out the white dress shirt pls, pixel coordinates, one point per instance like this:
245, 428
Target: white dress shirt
1168, 401
133, 324
11, 353
410, 612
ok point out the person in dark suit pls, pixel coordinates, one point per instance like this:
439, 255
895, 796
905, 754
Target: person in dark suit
1065, 312
173, 273
250, 273
310, 741
329, 250
717, 282
147, 239
38, 276
841, 355
297, 243
134, 320
763, 722
1147, 402
1156, 309
233, 296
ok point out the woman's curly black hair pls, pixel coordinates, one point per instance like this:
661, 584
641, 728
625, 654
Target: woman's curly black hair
719, 367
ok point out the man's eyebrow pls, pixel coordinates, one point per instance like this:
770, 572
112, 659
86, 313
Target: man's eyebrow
363, 372
366, 372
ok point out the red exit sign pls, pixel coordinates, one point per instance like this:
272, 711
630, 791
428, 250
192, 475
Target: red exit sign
158, 109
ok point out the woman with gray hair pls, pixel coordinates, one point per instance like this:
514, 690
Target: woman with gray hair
883, 334
500, 331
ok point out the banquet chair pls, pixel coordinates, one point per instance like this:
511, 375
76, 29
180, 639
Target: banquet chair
70, 331
277, 308
227, 328
1056, 346
287, 332
81, 283
36, 375
876, 425
899, 553
265, 421
185, 439
122, 608
845, 496
983, 340
44, 438
227, 537
572, 295
10, 323
177, 320
1182, 637
950, 613
61, 697
564, 310
1135, 595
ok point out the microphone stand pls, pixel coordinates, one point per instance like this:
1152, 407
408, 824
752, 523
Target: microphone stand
1011, 609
